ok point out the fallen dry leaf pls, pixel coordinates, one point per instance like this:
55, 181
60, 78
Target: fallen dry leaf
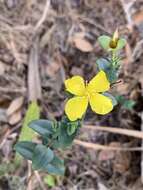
52, 68
101, 186
15, 117
105, 155
121, 162
138, 18
15, 105
81, 43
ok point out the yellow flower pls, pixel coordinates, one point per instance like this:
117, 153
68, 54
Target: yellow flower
87, 93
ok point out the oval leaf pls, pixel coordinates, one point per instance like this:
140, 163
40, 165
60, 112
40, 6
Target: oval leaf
41, 157
82, 44
43, 127
56, 167
26, 149
104, 41
103, 64
121, 44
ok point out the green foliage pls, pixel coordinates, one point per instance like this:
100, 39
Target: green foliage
121, 44
41, 157
32, 113
6, 168
104, 41
12, 182
72, 127
26, 149
55, 135
55, 167
28, 134
50, 180
103, 64
112, 75
60, 134
66, 136
127, 104
110, 66
43, 127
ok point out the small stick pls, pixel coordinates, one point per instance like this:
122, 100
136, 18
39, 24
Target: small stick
128, 132
46, 9
117, 82
16, 90
126, 7
105, 147
30, 175
39, 180
6, 135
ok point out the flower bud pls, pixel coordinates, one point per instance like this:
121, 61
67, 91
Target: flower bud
114, 40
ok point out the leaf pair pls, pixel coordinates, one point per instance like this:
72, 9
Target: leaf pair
109, 44
42, 158
54, 135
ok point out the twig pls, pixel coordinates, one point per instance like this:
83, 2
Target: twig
14, 49
128, 132
39, 180
40, 22
126, 8
34, 83
137, 50
5, 138
97, 25
30, 175
12, 90
105, 147
8, 132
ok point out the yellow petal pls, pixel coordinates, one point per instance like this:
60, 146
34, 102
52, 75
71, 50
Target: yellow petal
76, 107
99, 83
75, 85
100, 103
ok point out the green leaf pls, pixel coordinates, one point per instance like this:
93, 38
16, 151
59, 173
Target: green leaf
121, 99
121, 43
103, 64
41, 157
50, 180
43, 127
104, 41
114, 101
56, 167
28, 134
32, 113
71, 127
63, 138
26, 149
129, 104
112, 75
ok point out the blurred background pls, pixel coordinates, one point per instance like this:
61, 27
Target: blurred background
42, 43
